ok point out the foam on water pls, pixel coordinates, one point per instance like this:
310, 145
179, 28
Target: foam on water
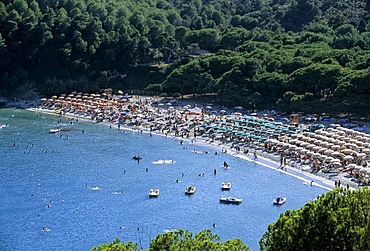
164, 161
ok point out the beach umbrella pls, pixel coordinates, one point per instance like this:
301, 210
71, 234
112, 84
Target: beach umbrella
303, 144
329, 159
319, 131
329, 145
293, 141
303, 138
365, 139
348, 151
331, 140
335, 135
322, 150
299, 149
334, 153
336, 163
271, 141
361, 155
367, 151
324, 143
306, 133
348, 157
316, 155
292, 147
322, 157
341, 137
335, 160
310, 146
304, 151
317, 148
316, 141
299, 136
328, 152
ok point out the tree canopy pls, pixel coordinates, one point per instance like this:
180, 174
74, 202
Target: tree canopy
338, 220
180, 240
313, 49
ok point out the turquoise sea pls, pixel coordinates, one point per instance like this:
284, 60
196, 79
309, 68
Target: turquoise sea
84, 186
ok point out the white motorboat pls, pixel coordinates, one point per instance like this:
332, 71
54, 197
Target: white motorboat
230, 200
190, 190
153, 193
54, 130
279, 201
225, 185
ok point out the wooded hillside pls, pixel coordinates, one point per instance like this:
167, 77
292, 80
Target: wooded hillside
297, 55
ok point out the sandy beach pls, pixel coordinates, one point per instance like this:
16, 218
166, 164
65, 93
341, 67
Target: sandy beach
251, 138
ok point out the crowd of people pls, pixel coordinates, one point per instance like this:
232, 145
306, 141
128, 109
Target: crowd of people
334, 149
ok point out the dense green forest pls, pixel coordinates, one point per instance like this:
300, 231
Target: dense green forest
296, 55
338, 220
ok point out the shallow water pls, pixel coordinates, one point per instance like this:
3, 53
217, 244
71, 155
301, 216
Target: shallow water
84, 186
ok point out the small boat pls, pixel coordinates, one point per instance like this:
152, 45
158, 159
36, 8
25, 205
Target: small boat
153, 193
225, 185
279, 201
230, 200
46, 229
65, 129
190, 190
54, 130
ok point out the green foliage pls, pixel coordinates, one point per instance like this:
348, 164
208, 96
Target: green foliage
353, 91
251, 52
154, 88
202, 241
179, 239
338, 220
117, 245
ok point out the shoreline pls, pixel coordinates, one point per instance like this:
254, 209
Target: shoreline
265, 159
141, 113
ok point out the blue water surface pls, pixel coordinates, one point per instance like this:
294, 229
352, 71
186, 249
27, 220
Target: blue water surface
86, 188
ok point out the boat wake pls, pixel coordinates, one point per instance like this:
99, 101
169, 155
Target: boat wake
164, 161
201, 152
117, 192
96, 188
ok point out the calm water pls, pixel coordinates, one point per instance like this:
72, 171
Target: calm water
53, 179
